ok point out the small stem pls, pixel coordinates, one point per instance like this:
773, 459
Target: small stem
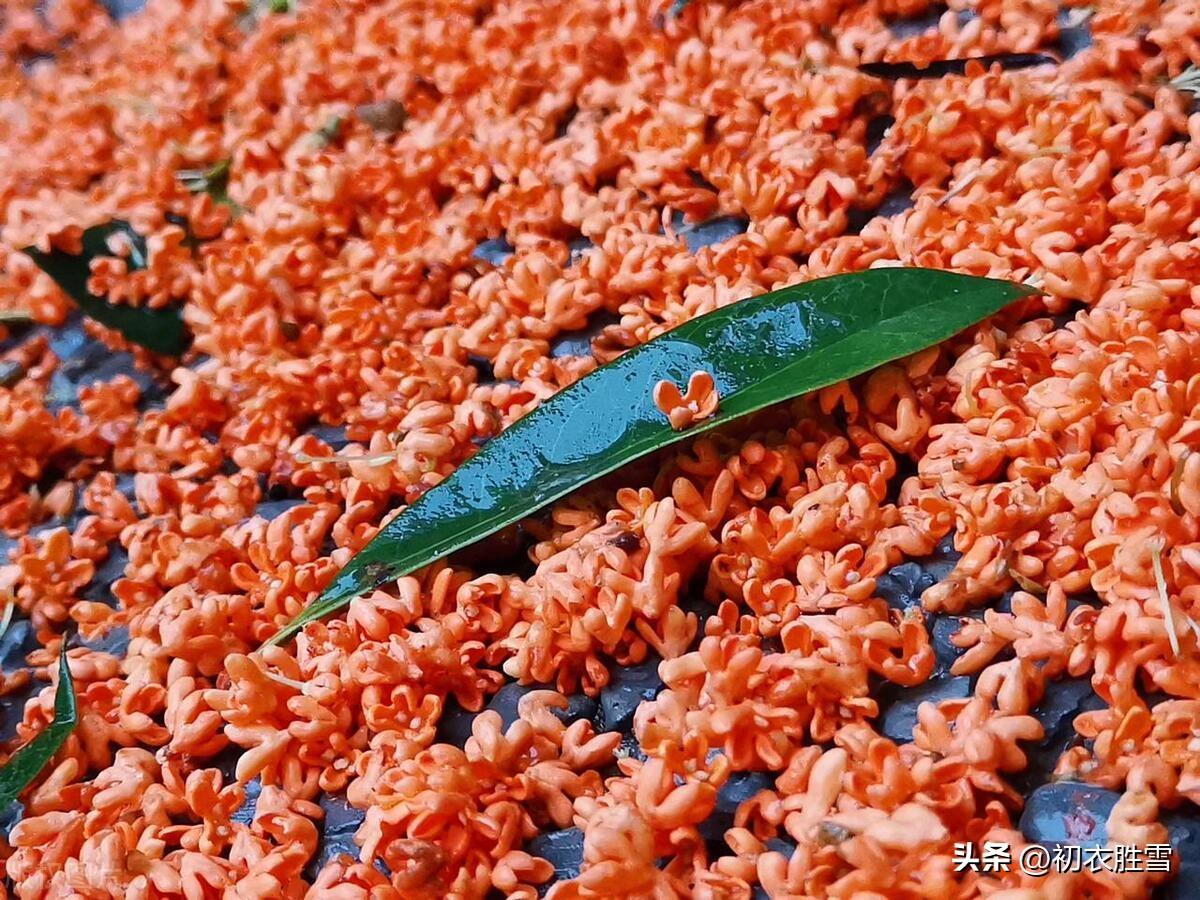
1195, 626
963, 183
1156, 548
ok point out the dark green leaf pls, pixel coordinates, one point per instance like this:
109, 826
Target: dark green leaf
942, 67
759, 351
159, 330
190, 240
25, 764
206, 181
256, 10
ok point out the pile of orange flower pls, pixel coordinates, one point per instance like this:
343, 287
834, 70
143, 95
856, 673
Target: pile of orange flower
340, 285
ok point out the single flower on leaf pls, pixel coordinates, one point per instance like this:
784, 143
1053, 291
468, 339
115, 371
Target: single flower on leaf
683, 410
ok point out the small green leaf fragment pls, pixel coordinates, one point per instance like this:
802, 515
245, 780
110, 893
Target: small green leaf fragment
27, 762
677, 7
1188, 80
213, 181
328, 133
1177, 482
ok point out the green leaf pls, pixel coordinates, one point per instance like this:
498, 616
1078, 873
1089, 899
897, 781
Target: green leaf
942, 67
328, 133
25, 764
159, 330
213, 181
760, 351
1187, 80
257, 10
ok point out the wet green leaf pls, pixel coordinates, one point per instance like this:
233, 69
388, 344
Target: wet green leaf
760, 351
25, 764
159, 330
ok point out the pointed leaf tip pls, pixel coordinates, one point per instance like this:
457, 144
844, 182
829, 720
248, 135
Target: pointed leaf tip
24, 765
158, 330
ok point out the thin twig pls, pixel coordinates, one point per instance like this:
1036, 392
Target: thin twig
1156, 548
961, 185
283, 679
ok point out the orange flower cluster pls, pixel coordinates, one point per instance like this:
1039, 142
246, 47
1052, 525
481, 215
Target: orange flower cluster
346, 281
